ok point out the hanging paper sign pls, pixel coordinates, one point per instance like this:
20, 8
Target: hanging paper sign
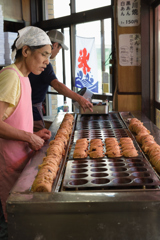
86, 70
128, 13
130, 49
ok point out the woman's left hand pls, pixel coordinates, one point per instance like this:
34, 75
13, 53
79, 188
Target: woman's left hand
85, 104
44, 134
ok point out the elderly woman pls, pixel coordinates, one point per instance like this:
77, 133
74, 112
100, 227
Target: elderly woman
31, 51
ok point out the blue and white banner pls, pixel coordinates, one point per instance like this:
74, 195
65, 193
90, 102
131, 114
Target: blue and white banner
86, 71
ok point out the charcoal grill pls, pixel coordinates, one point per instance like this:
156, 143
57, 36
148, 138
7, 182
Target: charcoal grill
91, 199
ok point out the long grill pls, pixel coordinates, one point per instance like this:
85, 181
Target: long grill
90, 198
106, 173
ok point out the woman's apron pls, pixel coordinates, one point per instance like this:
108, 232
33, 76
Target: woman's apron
14, 154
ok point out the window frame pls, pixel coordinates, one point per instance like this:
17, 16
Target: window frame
155, 4
70, 22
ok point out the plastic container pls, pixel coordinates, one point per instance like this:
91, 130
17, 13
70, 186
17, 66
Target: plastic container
86, 93
65, 107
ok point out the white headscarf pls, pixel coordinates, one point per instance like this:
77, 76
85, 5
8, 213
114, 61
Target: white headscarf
30, 36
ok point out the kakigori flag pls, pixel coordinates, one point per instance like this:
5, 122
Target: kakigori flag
86, 70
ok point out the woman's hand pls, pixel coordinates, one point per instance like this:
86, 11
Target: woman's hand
35, 142
84, 103
44, 134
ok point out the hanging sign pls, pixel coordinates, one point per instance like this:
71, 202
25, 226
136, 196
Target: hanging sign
128, 13
130, 49
86, 70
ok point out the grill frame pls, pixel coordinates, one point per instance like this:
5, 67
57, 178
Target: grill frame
95, 215
87, 183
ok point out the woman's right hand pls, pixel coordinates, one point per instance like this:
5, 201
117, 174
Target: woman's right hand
36, 142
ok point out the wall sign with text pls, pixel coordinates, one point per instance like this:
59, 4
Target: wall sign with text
130, 49
128, 13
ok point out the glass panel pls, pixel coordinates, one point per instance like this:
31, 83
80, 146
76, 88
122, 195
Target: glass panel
90, 30
108, 53
157, 63
61, 8
68, 65
158, 118
83, 5
157, 53
93, 29
59, 69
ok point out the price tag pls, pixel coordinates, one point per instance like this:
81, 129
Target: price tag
128, 13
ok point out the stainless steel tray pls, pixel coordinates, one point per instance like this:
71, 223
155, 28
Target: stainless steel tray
100, 117
96, 124
107, 173
101, 133
99, 174
97, 109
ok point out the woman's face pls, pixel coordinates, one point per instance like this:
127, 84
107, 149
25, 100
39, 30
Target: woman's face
37, 60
